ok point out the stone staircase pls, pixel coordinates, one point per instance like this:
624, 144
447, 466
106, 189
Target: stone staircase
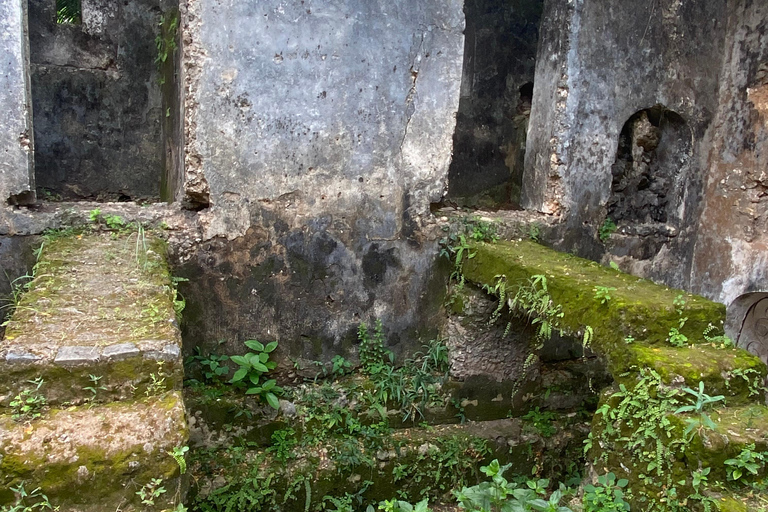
631, 333
91, 374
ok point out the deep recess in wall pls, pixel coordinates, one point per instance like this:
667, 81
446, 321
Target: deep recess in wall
501, 38
652, 176
101, 114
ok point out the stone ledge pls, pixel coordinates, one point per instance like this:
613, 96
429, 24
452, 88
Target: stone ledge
96, 307
90, 459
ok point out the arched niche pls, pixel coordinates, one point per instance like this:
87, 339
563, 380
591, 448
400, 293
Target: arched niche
654, 187
653, 162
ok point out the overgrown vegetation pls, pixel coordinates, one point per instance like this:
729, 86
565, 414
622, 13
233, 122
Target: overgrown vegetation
68, 11
29, 404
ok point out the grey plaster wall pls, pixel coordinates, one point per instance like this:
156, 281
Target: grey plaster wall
501, 39
730, 255
97, 100
16, 158
317, 134
604, 61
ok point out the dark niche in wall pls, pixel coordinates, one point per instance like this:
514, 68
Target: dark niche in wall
651, 178
501, 38
99, 114
654, 155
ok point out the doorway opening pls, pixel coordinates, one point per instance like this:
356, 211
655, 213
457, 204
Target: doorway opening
105, 99
501, 39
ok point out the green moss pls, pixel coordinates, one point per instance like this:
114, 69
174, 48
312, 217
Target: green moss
112, 476
727, 504
703, 363
637, 308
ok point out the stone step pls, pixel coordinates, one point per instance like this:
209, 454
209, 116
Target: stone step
733, 373
631, 329
737, 428
94, 459
99, 314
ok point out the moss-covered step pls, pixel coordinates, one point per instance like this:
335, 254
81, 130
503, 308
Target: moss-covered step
736, 429
98, 321
651, 434
628, 315
733, 373
92, 459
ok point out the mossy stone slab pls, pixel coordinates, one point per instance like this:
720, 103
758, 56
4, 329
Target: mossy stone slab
637, 309
90, 459
100, 304
733, 373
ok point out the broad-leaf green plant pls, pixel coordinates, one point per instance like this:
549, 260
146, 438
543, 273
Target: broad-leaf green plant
747, 462
607, 495
252, 367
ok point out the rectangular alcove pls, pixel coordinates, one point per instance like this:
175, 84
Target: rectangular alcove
105, 98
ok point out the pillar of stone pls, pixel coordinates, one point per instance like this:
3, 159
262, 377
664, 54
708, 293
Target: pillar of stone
16, 156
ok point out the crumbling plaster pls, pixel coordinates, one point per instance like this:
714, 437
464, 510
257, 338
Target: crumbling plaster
317, 135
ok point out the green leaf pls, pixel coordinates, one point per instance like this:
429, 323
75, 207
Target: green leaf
259, 367
270, 346
240, 360
269, 385
254, 378
239, 374
272, 400
263, 357
254, 391
254, 345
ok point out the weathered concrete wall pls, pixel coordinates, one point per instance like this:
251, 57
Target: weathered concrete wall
605, 61
319, 134
497, 83
96, 93
16, 159
730, 256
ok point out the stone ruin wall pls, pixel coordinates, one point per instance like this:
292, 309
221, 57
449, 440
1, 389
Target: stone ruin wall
316, 136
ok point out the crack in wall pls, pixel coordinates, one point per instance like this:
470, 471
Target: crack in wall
410, 108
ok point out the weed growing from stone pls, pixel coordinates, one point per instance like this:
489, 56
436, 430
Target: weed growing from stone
252, 367
605, 231
703, 400
753, 378
607, 495
541, 422
719, 340
95, 387
213, 366
30, 501
29, 404
340, 366
748, 462
500, 495
157, 384
401, 506
151, 491
534, 233
179, 455
603, 293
